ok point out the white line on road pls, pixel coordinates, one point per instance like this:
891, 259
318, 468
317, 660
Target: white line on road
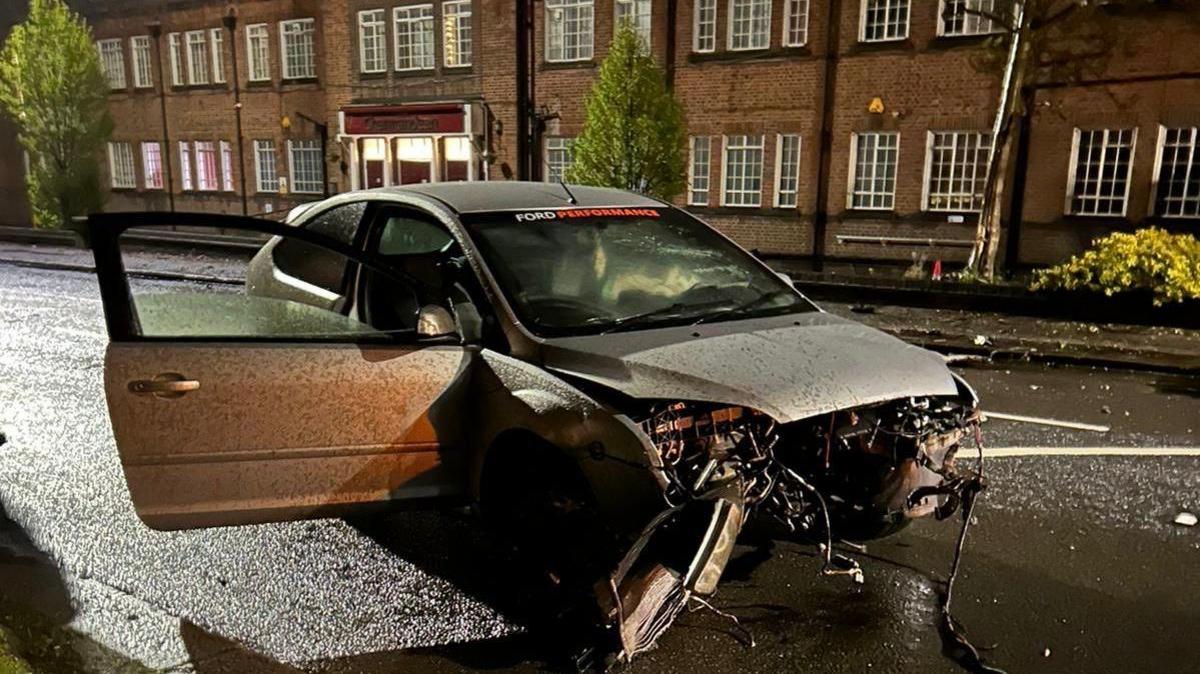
1002, 452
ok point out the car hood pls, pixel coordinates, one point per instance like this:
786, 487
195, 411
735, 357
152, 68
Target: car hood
790, 367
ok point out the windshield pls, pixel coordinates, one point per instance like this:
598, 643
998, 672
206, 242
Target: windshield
589, 271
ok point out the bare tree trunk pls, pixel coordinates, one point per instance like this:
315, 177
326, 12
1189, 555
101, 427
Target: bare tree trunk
982, 259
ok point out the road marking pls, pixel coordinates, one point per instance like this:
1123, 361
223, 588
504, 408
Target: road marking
1003, 452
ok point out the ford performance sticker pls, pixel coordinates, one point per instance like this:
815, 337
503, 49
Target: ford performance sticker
570, 213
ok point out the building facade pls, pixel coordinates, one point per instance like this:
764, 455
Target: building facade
843, 129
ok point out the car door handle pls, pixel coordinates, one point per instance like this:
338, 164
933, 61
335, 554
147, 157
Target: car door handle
166, 385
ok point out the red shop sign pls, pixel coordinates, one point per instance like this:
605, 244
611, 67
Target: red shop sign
405, 119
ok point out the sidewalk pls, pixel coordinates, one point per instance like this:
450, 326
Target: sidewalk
1002, 336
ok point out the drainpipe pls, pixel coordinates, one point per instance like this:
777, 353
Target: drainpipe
524, 87
829, 79
230, 21
155, 30
669, 57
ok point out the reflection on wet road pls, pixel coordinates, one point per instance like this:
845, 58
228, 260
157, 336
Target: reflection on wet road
1074, 567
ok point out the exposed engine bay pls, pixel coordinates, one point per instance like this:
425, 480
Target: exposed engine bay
849, 475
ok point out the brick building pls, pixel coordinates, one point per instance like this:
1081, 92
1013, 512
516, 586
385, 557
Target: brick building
816, 126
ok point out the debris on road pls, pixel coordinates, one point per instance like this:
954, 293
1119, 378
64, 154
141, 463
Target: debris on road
1185, 519
1042, 421
981, 340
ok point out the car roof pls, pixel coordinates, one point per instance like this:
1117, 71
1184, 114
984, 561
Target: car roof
510, 195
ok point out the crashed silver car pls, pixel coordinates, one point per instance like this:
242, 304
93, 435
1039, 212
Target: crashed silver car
603, 373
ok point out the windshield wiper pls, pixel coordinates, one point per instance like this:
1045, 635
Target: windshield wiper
636, 319
748, 305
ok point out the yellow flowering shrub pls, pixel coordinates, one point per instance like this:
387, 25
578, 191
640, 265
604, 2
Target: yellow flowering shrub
1151, 259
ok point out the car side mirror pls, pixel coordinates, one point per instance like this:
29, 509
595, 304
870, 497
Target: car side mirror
470, 323
435, 321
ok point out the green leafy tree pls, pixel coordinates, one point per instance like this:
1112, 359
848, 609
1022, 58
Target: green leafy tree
1037, 42
633, 135
52, 85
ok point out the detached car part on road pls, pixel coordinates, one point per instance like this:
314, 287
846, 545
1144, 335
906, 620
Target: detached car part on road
605, 373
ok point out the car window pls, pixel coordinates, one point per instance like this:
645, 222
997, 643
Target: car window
316, 265
404, 234
235, 296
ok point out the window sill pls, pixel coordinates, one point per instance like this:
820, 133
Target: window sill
259, 84
298, 81
743, 211
581, 64
381, 75
416, 72
948, 42
870, 214
861, 47
123, 190
749, 55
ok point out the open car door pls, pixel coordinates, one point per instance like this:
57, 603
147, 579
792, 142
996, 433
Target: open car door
234, 406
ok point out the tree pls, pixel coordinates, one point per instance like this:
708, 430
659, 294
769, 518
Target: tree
633, 134
1039, 42
52, 85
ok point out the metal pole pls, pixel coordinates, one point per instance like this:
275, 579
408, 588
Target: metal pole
155, 29
230, 21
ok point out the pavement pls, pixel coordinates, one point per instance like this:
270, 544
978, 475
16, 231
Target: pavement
1075, 564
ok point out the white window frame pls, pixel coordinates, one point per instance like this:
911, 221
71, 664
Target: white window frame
307, 27
142, 52
260, 185
967, 29
185, 167
216, 54
692, 191
795, 191
1192, 165
112, 61
699, 10
175, 54
789, 14
258, 61
1105, 146
851, 193
744, 146
200, 150
862, 21
225, 157
584, 51
983, 140
557, 144
197, 63
453, 11
419, 25
765, 34
374, 20
635, 11
147, 173
307, 186
121, 172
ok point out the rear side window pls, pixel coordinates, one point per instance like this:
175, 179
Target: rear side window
315, 265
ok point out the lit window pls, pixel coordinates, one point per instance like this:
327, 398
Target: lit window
957, 173
749, 24
197, 57
372, 46
226, 166
456, 158
152, 165
265, 171
743, 171
258, 52
307, 166
967, 17
704, 26
873, 174
120, 165
698, 171
206, 166
414, 157
559, 157
143, 71
414, 37
795, 23
883, 20
1178, 173
787, 173
569, 26
1099, 180
296, 39
175, 47
216, 43
112, 62
456, 33
185, 165
636, 13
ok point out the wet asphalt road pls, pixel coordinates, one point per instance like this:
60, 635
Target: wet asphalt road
1074, 564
